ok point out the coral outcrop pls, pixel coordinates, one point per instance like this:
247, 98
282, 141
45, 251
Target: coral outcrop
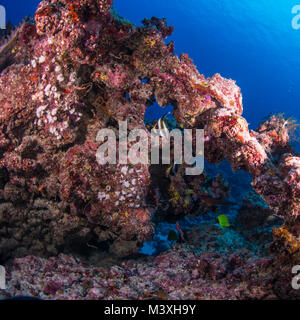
78, 68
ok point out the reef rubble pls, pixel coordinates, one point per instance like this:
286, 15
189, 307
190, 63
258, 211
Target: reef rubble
178, 274
77, 68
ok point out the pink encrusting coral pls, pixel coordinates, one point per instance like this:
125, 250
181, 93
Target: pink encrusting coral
175, 275
63, 86
80, 68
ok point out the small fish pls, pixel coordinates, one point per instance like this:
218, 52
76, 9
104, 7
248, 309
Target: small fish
223, 220
163, 130
172, 236
41, 188
169, 169
180, 232
173, 169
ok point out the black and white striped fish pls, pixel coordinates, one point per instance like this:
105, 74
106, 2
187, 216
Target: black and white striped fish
161, 128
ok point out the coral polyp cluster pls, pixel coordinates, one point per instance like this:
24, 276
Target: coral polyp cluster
79, 68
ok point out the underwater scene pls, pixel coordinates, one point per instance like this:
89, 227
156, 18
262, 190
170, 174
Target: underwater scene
149, 150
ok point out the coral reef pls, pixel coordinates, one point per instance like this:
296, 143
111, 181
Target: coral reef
79, 68
56, 95
178, 274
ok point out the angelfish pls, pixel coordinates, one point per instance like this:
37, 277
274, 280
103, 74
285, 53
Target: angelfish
161, 128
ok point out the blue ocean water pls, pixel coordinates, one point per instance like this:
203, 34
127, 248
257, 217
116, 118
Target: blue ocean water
250, 41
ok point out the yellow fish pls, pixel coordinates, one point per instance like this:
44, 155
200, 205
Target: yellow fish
173, 169
223, 220
169, 169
